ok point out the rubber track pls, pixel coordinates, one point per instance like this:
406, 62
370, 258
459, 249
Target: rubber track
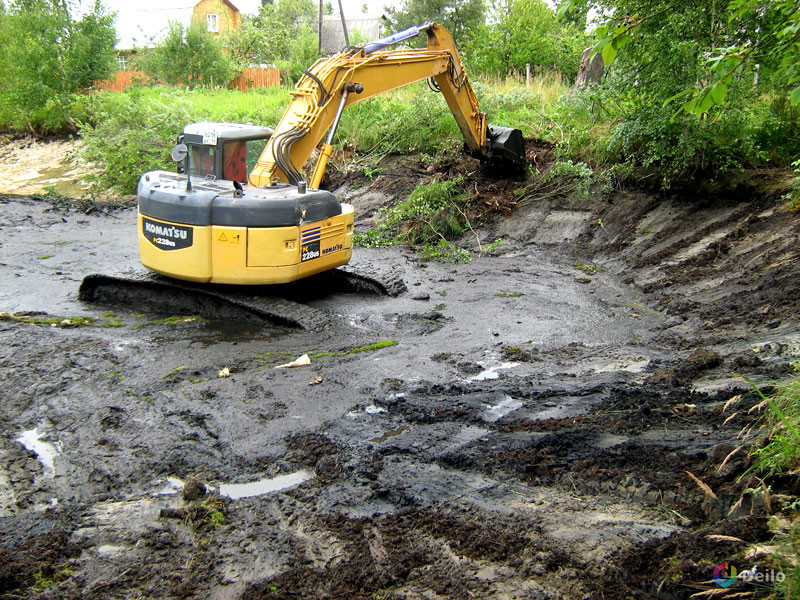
362, 278
151, 291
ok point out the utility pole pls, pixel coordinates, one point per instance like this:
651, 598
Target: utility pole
319, 49
344, 25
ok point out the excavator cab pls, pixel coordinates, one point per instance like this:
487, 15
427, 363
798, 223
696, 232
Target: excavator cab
226, 151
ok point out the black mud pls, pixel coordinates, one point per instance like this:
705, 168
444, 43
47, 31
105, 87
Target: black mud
525, 430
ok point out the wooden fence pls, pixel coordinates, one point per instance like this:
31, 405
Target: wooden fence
257, 78
120, 81
249, 79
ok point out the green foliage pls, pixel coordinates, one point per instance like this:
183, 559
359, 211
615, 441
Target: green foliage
47, 57
633, 118
430, 214
780, 455
127, 138
525, 31
460, 17
368, 348
43, 581
444, 251
303, 51
131, 133
581, 174
734, 42
281, 34
794, 195
587, 268
782, 452
188, 56
413, 119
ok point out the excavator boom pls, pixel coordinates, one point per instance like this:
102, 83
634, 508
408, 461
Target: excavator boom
334, 83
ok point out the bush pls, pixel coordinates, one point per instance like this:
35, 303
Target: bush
127, 138
188, 56
47, 58
432, 213
526, 31
303, 51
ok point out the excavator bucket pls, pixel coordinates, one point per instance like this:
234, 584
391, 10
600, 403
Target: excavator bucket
505, 148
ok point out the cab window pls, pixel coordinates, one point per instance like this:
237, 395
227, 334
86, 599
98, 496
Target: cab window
254, 150
201, 163
234, 161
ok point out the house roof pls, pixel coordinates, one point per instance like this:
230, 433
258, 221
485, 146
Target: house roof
231, 4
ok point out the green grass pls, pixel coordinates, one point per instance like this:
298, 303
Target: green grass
176, 370
431, 213
781, 456
41, 581
260, 107
64, 322
367, 348
508, 294
587, 268
171, 321
782, 453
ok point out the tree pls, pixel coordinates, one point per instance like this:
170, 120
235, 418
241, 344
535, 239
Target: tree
525, 31
47, 56
188, 56
279, 34
739, 39
460, 17
671, 61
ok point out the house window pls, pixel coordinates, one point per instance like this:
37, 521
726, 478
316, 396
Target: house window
212, 22
121, 62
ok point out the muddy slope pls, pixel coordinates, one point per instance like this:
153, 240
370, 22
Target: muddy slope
528, 435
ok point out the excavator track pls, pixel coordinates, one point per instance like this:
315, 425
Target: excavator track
148, 291
363, 279
152, 292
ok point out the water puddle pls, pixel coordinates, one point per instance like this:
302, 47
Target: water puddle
370, 410
173, 486
610, 440
632, 366
389, 434
111, 549
235, 491
501, 409
493, 371
45, 451
465, 436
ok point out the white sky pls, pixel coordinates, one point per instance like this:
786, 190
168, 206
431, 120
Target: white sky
143, 19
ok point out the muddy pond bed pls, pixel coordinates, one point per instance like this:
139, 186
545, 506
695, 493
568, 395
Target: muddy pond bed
530, 424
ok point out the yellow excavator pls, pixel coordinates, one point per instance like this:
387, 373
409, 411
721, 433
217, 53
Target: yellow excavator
240, 211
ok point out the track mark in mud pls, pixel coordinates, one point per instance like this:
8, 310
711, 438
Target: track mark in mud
451, 552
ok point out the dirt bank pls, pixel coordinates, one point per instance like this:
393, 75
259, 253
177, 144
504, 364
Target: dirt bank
528, 435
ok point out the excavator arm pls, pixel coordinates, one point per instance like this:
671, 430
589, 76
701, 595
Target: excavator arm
334, 83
